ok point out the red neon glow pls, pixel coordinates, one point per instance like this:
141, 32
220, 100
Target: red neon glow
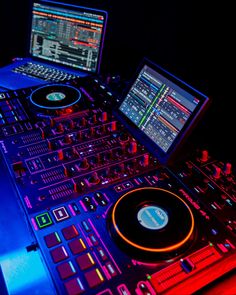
182, 108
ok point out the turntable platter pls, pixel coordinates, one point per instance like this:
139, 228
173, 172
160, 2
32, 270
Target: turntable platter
151, 222
54, 97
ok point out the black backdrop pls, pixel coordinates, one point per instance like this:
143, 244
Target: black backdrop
191, 39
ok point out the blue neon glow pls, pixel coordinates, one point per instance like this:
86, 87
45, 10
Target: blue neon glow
24, 272
68, 15
56, 107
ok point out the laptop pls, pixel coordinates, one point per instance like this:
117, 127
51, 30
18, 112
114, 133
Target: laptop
65, 41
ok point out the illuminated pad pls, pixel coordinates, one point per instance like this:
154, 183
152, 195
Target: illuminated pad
43, 220
94, 278
60, 214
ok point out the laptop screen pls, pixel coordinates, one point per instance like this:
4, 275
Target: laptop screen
68, 35
163, 107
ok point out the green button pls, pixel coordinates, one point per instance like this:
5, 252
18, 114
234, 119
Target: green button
43, 220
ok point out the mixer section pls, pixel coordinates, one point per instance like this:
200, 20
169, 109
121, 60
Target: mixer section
65, 156
214, 183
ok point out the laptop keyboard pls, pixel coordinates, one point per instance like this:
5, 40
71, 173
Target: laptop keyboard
43, 72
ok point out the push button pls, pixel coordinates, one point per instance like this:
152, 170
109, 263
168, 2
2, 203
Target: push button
59, 254
66, 270
77, 246
86, 226
74, 287
85, 261
70, 232
94, 278
52, 239
60, 214
102, 254
93, 239
43, 220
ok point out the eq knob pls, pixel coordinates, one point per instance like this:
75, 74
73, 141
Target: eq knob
83, 122
145, 160
60, 154
68, 139
133, 148
72, 124
104, 117
94, 178
82, 165
93, 120
228, 169
204, 156
60, 128
217, 172
123, 137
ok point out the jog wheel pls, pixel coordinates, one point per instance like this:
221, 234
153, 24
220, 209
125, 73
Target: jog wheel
152, 224
54, 99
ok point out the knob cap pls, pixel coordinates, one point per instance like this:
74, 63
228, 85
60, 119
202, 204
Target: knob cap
228, 169
133, 147
217, 172
104, 117
204, 156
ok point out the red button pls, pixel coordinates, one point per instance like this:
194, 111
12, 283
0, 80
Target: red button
74, 287
66, 270
85, 261
94, 277
70, 232
59, 254
52, 239
77, 246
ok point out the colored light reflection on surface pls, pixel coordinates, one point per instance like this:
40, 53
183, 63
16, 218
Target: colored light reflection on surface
24, 273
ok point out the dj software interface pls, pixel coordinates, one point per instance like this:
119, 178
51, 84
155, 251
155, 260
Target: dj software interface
75, 37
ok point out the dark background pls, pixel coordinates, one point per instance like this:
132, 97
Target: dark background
191, 39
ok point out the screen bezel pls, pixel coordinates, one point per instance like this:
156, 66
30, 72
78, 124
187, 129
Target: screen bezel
72, 7
164, 157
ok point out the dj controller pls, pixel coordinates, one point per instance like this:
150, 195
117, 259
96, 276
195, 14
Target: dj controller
107, 215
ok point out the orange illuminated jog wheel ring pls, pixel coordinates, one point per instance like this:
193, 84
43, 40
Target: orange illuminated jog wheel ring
152, 221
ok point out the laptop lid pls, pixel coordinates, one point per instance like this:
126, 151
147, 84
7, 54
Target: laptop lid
161, 109
67, 35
